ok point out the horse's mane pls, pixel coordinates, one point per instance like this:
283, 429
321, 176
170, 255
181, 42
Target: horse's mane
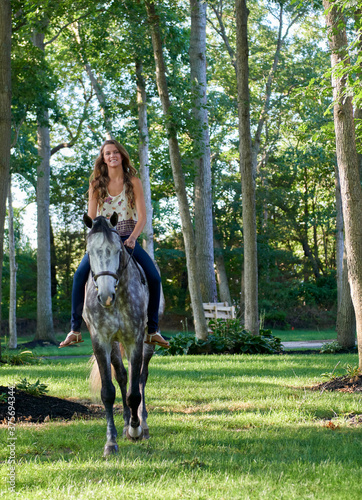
100, 225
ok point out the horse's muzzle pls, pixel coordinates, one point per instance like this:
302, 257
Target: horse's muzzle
106, 300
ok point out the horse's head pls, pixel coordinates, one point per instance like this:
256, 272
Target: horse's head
104, 247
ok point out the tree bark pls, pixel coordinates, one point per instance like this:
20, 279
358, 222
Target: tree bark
339, 239
144, 158
351, 191
358, 111
224, 291
201, 139
247, 171
346, 319
5, 120
178, 175
13, 338
45, 329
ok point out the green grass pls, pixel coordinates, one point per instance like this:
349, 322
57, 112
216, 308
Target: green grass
222, 427
75, 350
86, 347
305, 335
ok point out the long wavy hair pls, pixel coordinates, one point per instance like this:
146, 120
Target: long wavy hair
99, 179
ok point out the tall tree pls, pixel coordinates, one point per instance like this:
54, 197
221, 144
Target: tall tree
178, 175
45, 328
5, 119
201, 139
144, 156
247, 171
346, 322
13, 341
351, 191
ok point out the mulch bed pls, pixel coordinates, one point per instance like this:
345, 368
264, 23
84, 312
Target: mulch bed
341, 384
29, 408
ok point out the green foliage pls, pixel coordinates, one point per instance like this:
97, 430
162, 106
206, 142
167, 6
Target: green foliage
3, 397
19, 358
227, 337
330, 347
36, 389
352, 371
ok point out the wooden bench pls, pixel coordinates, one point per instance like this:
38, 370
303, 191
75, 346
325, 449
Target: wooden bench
218, 310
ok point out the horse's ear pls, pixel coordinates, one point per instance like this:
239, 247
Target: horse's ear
114, 219
88, 221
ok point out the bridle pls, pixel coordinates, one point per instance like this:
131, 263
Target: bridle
117, 275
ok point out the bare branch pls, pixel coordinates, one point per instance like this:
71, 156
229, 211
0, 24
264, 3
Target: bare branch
66, 26
73, 138
222, 33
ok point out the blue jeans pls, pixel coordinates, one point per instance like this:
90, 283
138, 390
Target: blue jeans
153, 280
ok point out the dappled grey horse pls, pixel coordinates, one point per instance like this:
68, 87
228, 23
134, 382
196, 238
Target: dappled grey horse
115, 311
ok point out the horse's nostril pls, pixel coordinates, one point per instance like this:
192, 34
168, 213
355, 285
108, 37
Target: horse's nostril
106, 301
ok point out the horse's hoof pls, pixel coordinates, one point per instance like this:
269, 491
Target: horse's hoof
110, 449
134, 433
146, 434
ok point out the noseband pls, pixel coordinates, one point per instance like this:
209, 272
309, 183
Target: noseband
109, 273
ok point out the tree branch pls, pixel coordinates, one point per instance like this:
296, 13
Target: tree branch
66, 26
222, 32
73, 138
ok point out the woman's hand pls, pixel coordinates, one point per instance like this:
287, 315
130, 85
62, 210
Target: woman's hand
130, 242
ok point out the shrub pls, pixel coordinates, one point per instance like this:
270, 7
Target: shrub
227, 337
330, 347
36, 389
20, 358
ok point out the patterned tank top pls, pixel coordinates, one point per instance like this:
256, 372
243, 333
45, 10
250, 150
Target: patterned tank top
127, 216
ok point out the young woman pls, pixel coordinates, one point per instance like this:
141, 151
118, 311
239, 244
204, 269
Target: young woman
114, 187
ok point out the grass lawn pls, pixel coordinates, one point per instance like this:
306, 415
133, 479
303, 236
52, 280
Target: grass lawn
305, 335
86, 347
222, 427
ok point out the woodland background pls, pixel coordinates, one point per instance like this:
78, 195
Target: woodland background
78, 69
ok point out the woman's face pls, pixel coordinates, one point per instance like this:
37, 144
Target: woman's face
111, 156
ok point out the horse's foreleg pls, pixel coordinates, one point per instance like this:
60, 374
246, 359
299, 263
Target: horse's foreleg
134, 395
121, 377
108, 394
148, 351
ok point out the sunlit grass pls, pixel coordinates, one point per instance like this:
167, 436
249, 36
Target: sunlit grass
305, 335
234, 427
85, 349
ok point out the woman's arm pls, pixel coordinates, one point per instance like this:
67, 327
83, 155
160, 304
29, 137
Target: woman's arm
92, 203
141, 212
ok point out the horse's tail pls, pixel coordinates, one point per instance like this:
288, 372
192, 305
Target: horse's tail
95, 378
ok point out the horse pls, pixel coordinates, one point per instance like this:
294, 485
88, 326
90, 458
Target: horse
115, 311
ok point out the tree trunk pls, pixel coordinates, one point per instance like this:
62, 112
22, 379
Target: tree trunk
346, 320
268, 91
178, 175
224, 291
144, 158
351, 191
358, 111
5, 121
13, 338
247, 171
339, 239
201, 139
45, 330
